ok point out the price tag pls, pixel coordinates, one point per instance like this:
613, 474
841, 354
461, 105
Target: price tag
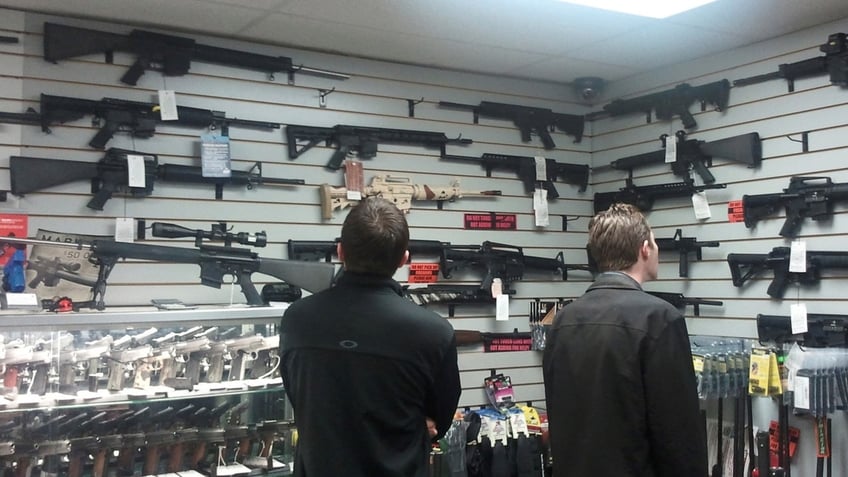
502, 308
701, 206
798, 318
798, 257
801, 398
135, 171
168, 105
124, 229
540, 208
671, 148
541, 168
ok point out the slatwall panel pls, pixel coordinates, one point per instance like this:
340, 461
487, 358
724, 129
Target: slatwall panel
375, 95
816, 107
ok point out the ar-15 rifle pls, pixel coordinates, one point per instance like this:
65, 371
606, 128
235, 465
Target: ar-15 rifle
527, 119
172, 55
681, 302
744, 266
832, 63
671, 102
113, 115
397, 189
643, 197
360, 139
525, 167
685, 246
450, 295
812, 197
823, 330
110, 175
695, 155
214, 262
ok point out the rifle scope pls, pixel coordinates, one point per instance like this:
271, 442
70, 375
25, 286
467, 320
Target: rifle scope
217, 232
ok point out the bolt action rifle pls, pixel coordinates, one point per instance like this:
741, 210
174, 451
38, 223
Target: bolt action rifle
360, 139
396, 189
529, 120
643, 197
744, 266
110, 175
672, 102
695, 155
525, 167
172, 55
214, 262
812, 197
832, 63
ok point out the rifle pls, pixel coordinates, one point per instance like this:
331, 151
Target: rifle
110, 175
812, 197
217, 232
214, 262
671, 102
525, 167
744, 266
685, 246
317, 250
695, 155
643, 197
113, 115
823, 330
679, 301
360, 139
832, 63
450, 295
527, 119
172, 55
399, 190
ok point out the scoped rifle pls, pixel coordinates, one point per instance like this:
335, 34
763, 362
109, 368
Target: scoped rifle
360, 139
110, 175
812, 197
217, 232
529, 120
172, 55
681, 302
675, 101
138, 118
695, 155
214, 262
685, 246
397, 189
822, 330
643, 197
744, 266
525, 167
832, 63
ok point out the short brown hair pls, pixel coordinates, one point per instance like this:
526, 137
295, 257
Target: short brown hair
375, 236
615, 236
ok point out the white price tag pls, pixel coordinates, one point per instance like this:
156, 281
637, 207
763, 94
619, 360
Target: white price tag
541, 168
671, 148
701, 206
168, 105
798, 257
502, 308
354, 194
798, 318
802, 392
124, 229
540, 208
135, 171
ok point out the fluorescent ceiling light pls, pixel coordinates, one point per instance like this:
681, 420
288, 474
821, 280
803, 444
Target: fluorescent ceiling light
644, 8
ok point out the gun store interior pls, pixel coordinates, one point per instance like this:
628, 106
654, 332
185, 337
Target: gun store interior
423, 238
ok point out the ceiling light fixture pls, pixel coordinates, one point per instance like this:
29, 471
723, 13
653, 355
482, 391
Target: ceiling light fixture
644, 8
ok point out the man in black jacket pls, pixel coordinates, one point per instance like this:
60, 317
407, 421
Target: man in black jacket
368, 373
619, 383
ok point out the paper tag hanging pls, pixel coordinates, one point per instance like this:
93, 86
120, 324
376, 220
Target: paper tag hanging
701, 205
798, 318
135, 171
168, 105
798, 257
540, 208
671, 148
541, 168
215, 156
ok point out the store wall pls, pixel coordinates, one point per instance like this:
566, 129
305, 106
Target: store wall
375, 95
816, 108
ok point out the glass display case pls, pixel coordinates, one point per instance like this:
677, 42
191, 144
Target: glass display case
142, 391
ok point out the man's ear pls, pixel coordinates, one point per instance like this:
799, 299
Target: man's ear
404, 259
340, 252
645, 249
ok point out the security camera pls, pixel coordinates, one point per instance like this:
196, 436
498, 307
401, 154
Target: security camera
588, 88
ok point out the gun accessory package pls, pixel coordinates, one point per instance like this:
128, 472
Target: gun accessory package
526, 169
744, 266
697, 156
397, 189
673, 102
813, 197
111, 174
643, 197
172, 55
832, 63
360, 139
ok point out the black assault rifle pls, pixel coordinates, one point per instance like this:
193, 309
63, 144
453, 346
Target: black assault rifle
695, 155
214, 262
112, 115
362, 140
525, 166
679, 301
832, 63
172, 55
671, 102
528, 119
812, 197
822, 330
684, 246
643, 197
744, 266
110, 175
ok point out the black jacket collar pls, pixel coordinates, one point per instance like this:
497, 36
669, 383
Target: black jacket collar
369, 280
614, 280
